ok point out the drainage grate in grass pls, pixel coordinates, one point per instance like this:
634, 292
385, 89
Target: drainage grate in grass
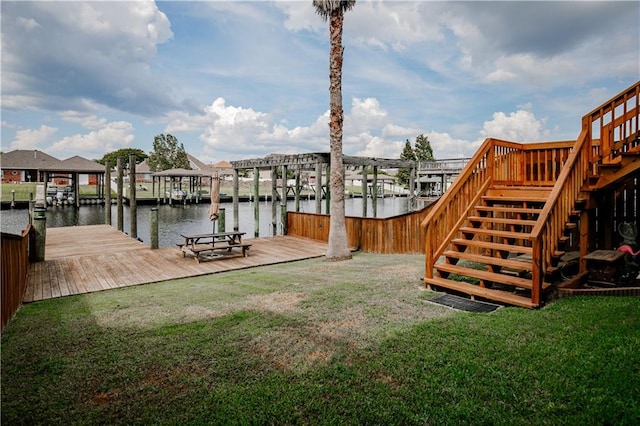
464, 304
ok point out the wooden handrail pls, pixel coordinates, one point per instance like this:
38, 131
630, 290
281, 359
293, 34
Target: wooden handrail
555, 214
444, 217
580, 165
564, 166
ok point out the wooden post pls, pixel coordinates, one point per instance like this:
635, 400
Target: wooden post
256, 202
120, 212
274, 205
107, 193
327, 200
318, 188
40, 228
236, 220
75, 180
298, 189
412, 183
133, 207
153, 227
374, 201
283, 201
222, 220
365, 190
584, 237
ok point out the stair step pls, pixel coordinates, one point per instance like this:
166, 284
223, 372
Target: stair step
485, 275
494, 233
490, 260
487, 293
504, 209
511, 248
531, 198
506, 221
518, 193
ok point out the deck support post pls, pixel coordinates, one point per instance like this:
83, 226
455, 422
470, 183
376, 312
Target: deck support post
120, 212
584, 238
274, 205
412, 180
236, 219
365, 195
133, 208
107, 193
374, 189
256, 202
283, 201
153, 227
222, 220
75, 180
40, 227
318, 185
298, 189
327, 200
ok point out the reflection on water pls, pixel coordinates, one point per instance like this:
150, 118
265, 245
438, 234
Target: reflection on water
188, 219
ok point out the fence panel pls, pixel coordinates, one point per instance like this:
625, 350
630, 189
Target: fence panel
15, 264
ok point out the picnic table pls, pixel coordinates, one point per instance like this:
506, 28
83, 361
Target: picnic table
206, 246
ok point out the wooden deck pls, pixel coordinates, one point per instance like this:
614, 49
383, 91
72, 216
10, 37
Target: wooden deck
84, 259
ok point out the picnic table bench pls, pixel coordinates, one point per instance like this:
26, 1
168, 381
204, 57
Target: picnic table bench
205, 246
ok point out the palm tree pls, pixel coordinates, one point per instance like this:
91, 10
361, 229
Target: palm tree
333, 11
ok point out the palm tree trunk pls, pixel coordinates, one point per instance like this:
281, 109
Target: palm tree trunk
338, 248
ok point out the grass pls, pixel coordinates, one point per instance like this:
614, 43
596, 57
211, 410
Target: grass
317, 342
27, 191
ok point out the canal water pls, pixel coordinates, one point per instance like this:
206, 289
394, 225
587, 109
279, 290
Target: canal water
190, 218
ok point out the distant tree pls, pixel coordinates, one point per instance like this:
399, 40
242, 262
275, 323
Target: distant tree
407, 154
333, 11
167, 154
124, 153
423, 149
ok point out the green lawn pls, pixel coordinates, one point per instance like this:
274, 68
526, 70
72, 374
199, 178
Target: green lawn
316, 342
27, 191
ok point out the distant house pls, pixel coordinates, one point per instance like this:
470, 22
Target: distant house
143, 172
24, 165
88, 171
224, 170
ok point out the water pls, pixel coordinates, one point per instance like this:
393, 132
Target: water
188, 219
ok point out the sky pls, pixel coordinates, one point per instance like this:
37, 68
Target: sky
235, 80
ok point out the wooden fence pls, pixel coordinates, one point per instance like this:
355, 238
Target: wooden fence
398, 234
15, 263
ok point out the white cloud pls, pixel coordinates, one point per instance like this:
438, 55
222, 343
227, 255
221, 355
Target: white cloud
88, 121
33, 138
28, 24
86, 50
519, 126
365, 114
445, 146
110, 137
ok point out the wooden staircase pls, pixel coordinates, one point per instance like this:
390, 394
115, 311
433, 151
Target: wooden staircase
501, 229
493, 250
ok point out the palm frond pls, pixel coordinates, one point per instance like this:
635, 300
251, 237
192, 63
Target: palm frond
324, 8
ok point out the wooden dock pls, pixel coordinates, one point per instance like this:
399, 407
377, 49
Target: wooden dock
85, 259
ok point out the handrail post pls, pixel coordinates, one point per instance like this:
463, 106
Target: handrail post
537, 272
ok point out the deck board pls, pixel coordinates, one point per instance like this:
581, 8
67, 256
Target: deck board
85, 259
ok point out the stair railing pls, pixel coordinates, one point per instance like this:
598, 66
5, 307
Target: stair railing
494, 157
557, 210
614, 127
611, 128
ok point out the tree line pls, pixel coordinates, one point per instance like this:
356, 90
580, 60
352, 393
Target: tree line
167, 153
421, 151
